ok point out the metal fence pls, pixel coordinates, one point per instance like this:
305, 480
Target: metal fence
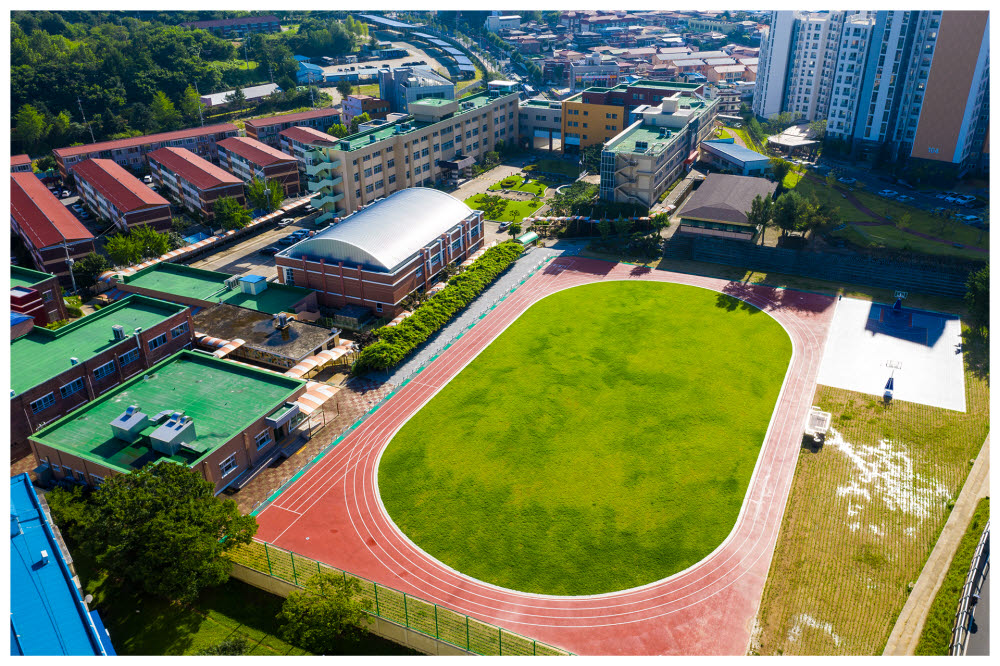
436, 621
970, 595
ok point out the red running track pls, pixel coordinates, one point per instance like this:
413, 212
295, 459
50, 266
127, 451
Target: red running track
333, 513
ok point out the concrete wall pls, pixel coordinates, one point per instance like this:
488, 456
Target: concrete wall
387, 629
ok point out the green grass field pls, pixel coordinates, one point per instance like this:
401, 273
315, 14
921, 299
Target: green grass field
605, 440
516, 184
562, 167
514, 212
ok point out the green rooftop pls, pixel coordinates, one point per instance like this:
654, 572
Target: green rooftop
43, 354
651, 135
221, 397
433, 101
210, 286
25, 277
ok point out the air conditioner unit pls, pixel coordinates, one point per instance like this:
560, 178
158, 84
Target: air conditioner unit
231, 282
118, 332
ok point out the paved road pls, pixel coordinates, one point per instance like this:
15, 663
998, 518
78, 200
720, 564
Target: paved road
979, 640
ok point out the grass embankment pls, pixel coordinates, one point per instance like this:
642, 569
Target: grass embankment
367, 89
598, 444
515, 211
863, 515
936, 637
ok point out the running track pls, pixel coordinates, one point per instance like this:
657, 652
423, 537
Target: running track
333, 514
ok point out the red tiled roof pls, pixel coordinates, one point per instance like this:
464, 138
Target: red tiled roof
117, 185
18, 160
308, 135
144, 140
219, 23
254, 151
291, 117
201, 173
43, 219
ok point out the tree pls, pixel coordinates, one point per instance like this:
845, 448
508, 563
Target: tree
160, 529
236, 98
903, 221
228, 647
190, 104
345, 88
831, 181
122, 250
514, 229
338, 130
790, 212
780, 169
229, 214
759, 215
165, 116
87, 270
265, 194
29, 127
819, 127
622, 226
149, 241
357, 120
592, 157
604, 228
977, 298
328, 611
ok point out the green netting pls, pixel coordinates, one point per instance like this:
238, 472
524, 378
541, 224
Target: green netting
304, 569
543, 650
251, 555
513, 644
483, 638
452, 627
366, 591
281, 564
420, 616
391, 605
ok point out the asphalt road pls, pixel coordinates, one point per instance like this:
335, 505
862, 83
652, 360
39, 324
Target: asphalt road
244, 258
979, 640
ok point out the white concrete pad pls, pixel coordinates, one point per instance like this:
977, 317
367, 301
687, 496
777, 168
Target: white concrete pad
922, 351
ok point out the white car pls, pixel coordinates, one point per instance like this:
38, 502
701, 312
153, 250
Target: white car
147, 179
965, 199
969, 219
904, 198
286, 221
892, 194
847, 180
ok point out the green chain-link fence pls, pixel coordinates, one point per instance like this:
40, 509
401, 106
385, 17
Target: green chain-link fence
435, 621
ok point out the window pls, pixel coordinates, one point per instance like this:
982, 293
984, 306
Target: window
379, 184
368, 173
378, 168
392, 178
96, 481
357, 193
289, 276
131, 357
369, 189
228, 465
158, 341
420, 272
390, 164
71, 388
179, 330
456, 245
357, 177
44, 402
104, 370
378, 307
263, 438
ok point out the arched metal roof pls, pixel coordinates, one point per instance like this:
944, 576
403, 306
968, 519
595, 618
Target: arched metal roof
386, 233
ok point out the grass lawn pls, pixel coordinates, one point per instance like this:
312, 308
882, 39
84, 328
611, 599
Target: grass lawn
597, 445
832, 198
235, 63
863, 515
367, 89
515, 210
531, 187
922, 221
462, 85
936, 637
568, 169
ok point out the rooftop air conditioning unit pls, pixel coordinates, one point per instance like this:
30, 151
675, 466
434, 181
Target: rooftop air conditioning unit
129, 424
175, 432
641, 146
118, 332
231, 282
372, 138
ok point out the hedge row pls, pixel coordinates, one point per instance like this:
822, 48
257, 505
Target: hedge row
395, 342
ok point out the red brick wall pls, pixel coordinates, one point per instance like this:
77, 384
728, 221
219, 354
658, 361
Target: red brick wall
159, 218
209, 197
287, 174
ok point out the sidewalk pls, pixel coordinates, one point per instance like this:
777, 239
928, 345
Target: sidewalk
906, 634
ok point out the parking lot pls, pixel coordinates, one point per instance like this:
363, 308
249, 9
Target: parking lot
245, 257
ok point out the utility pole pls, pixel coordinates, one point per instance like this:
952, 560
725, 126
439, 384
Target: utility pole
92, 139
246, 59
198, 92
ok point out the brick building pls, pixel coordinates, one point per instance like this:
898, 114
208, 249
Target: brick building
54, 372
195, 182
355, 105
248, 159
131, 153
219, 418
49, 231
113, 193
20, 163
37, 295
379, 255
266, 130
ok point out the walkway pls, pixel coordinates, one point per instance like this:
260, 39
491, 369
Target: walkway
333, 512
910, 624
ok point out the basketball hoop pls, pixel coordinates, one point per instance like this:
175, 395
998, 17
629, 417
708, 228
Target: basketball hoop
900, 295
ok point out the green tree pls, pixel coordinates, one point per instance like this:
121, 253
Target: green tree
780, 169
759, 215
623, 225
229, 647
831, 181
87, 270
150, 242
265, 194
338, 130
819, 127
357, 120
328, 611
236, 99
345, 88
29, 127
592, 157
190, 104
515, 229
604, 228
229, 214
790, 212
122, 250
165, 116
977, 298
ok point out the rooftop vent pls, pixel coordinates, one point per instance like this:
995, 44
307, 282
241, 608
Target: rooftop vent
138, 330
372, 138
176, 432
129, 424
641, 146
73, 360
118, 332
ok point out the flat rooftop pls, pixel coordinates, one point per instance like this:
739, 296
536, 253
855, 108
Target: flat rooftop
221, 397
257, 330
25, 277
178, 280
42, 354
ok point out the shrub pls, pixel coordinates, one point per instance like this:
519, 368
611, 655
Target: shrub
394, 343
74, 311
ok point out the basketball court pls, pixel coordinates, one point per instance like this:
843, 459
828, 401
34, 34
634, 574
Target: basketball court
920, 351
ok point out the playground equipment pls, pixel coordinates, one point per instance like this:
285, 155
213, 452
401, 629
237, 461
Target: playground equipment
817, 424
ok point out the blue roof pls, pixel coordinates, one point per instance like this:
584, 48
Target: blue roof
738, 153
16, 318
47, 615
253, 279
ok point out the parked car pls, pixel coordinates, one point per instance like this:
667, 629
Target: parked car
891, 194
308, 208
969, 219
288, 240
269, 251
285, 221
77, 207
847, 180
965, 199
904, 198
147, 179
65, 194
503, 226
84, 215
